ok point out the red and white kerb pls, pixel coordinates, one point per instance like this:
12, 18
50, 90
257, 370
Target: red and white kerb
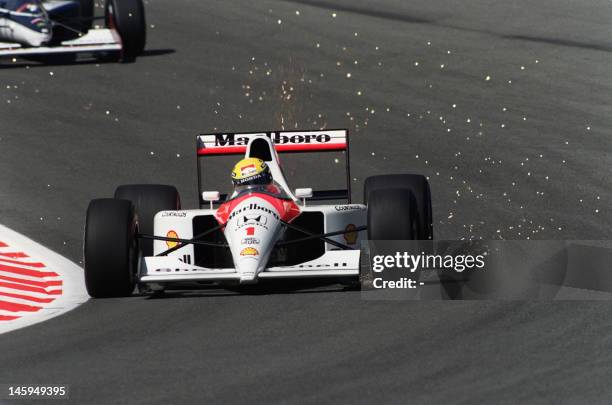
26, 286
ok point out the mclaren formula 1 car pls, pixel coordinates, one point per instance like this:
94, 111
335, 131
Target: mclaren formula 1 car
41, 29
142, 237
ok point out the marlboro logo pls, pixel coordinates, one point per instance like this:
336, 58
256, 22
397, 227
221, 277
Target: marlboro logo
277, 138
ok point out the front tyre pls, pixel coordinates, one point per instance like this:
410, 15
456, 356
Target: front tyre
127, 17
110, 248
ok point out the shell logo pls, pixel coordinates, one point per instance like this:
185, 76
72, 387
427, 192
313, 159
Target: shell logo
249, 252
169, 243
350, 237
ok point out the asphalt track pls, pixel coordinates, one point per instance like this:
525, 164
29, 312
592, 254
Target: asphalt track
512, 126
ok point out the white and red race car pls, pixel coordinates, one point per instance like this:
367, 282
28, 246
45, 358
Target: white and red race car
142, 237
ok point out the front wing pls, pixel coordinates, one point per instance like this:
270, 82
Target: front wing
168, 269
96, 40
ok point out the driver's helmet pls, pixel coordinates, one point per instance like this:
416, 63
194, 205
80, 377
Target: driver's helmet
251, 171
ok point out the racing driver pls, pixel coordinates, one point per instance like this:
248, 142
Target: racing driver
253, 173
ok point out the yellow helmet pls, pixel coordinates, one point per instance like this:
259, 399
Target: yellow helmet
251, 171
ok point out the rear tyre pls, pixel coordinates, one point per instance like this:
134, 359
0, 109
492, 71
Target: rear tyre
110, 248
418, 185
392, 215
127, 17
148, 200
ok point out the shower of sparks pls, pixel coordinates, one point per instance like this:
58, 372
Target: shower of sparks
473, 126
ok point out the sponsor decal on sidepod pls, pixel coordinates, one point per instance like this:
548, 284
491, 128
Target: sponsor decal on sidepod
348, 207
171, 234
350, 237
174, 214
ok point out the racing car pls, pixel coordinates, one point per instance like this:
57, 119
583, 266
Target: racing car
61, 29
257, 231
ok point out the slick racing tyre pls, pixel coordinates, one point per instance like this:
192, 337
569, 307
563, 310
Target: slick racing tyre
127, 17
110, 248
148, 200
392, 215
418, 185
87, 15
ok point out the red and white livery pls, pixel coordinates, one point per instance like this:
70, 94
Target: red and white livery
253, 233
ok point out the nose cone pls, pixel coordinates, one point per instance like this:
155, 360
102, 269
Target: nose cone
252, 230
248, 269
31, 32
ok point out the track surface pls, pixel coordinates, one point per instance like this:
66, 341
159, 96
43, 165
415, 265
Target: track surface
524, 153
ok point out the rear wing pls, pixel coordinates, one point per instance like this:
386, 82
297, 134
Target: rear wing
227, 144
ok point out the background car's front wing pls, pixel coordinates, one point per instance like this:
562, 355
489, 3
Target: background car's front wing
96, 40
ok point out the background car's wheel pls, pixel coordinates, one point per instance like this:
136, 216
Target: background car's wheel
418, 185
127, 17
110, 248
87, 15
148, 200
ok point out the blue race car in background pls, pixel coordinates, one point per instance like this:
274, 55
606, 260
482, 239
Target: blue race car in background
34, 28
